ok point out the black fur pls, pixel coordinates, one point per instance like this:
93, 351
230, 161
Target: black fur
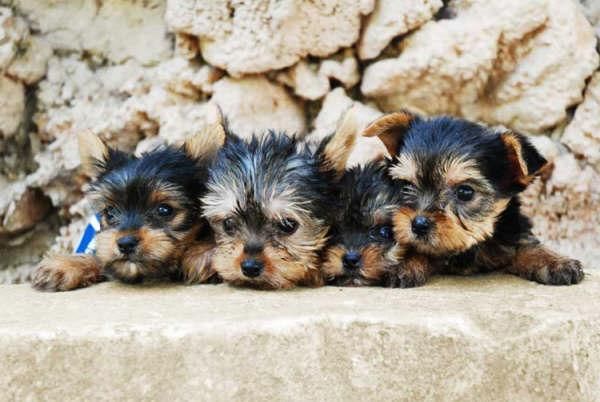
129, 180
274, 162
495, 172
363, 191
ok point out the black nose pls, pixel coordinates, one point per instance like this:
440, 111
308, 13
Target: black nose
421, 225
127, 244
252, 267
351, 260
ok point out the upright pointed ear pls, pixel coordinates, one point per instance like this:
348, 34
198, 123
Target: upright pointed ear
390, 129
336, 149
93, 153
525, 162
206, 143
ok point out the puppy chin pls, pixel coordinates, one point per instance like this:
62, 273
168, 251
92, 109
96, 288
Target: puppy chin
127, 271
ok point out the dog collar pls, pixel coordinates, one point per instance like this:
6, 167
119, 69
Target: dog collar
87, 242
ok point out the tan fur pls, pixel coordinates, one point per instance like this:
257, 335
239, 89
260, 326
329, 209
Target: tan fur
291, 262
209, 140
404, 169
332, 262
341, 144
515, 155
376, 265
540, 264
58, 272
389, 129
449, 234
414, 270
196, 263
91, 151
459, 170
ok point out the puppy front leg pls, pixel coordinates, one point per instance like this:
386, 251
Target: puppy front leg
414, 270
540, 264
67, 272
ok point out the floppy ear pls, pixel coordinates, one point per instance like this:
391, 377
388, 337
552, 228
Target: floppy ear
336, 149
93, 153
525, 162
206, 143
390, 129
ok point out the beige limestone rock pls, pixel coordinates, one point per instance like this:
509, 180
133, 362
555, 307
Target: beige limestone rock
254, 37
12, 106
114, 29
591, 9
582, 135
30, 66
312, 80
335, 104
497, 337
517, 63
392, 18
564, 209
12, 31
253, 105
23, 214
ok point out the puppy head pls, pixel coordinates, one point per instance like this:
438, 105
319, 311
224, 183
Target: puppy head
149, 205
362, 250
455, 177
269, 203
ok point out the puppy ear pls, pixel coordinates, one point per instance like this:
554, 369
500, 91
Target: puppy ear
93, 153
206, 143
335, 150
525, 162
390, 129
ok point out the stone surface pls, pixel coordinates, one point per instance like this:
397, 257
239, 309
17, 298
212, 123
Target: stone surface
254, 37
253, 105
496, 61
392, 18
12, 106
312, 80
582, 135
117, 30
455, 339
564, 209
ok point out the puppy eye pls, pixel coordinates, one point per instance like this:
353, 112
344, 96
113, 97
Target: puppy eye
229, 226
110, 214
385, 232
164, 210
465, 193
380, 233
288, 226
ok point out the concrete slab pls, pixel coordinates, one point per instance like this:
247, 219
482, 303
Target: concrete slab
487, 338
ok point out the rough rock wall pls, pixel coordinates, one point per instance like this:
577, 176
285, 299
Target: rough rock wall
140, 73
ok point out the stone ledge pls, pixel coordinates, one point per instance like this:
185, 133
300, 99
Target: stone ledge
492, 337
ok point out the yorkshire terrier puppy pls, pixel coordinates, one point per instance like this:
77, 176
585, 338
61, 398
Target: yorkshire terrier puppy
270, 202
361, 250
460, 213
149, 225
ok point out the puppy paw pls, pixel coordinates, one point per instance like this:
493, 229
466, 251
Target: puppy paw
407, 279
413, 271
562, 271
66, 272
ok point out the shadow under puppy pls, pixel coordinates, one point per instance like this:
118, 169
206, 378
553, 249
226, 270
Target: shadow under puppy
270, 202
361, 250
149, 217
460, 212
